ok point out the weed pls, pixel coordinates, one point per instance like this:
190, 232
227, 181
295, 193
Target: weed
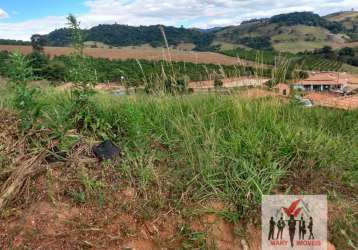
78, 197
192, 239
84, 79
24, 97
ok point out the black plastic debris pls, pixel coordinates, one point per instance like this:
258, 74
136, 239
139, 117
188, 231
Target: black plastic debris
56, 155
107, 150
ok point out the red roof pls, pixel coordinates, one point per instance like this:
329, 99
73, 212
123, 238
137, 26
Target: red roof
282, 86
325, 78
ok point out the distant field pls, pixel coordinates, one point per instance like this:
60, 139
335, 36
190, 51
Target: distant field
347, 18
300, 38
140, 53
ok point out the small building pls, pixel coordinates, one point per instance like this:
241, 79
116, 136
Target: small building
282, 89
322, 81
236, 82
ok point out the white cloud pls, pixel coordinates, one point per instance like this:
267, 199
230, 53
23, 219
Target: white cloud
24, 30
3, 14
197, 13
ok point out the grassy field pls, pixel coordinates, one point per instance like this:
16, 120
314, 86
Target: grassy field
347, 18
182, 151
191, 170
300, 38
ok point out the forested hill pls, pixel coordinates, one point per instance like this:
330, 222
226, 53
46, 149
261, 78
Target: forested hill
123, 35
292, 32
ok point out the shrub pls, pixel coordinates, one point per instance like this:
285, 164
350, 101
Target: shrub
218, 82
82, 75
20, 72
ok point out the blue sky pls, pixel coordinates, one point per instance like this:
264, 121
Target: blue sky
19, 19
22, 10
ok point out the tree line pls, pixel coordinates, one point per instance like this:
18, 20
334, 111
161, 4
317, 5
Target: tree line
118, 35
131, 72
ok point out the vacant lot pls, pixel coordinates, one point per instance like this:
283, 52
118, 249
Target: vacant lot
140, 53
166, 190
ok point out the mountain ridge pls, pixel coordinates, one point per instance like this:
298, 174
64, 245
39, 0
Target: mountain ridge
293, 32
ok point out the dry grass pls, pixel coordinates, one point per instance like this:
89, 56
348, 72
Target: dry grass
139, 53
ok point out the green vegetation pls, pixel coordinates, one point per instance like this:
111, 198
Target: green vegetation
178, 149
262, 43
252, 144
124, 35
345, 55
292, 32
307, 18
317, 63
264, 56
20, 73
349, 19
84, 78
278, 32
324, 59
13, 42
135, 72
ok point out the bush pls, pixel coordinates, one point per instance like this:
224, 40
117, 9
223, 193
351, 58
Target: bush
55, 71
24, 97
218, 83
82, 75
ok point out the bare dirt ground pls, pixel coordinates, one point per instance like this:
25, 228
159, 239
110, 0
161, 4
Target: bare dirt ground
334, 101
140, 53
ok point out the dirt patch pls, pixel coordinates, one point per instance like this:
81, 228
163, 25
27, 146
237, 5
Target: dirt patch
140, 53
334, 101
255, 93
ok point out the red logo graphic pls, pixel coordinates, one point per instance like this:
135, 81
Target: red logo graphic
291, 210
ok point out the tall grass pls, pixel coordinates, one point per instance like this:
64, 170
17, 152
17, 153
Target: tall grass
217, 146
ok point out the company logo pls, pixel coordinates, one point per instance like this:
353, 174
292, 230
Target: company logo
294, 222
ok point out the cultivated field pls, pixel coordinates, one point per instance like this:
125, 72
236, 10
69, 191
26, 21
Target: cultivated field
140, 53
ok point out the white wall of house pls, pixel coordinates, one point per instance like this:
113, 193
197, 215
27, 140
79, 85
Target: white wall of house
317, 87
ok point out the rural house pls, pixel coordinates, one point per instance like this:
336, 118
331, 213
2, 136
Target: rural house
229, 83
282, 89
322, 81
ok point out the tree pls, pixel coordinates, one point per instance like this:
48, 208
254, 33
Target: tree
84, 78
38, 43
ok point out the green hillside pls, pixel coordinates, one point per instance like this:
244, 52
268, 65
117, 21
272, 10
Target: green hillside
293, 32
348, 19
117, 35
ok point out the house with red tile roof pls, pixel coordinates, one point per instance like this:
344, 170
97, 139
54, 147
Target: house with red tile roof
322, 81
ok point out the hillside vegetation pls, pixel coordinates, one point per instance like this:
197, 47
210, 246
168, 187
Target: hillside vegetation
349, 19
305, 30
293, 32
123, 35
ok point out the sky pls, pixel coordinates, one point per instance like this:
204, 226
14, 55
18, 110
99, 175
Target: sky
19, 19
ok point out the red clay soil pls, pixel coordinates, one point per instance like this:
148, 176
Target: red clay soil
333, 100
139, 53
